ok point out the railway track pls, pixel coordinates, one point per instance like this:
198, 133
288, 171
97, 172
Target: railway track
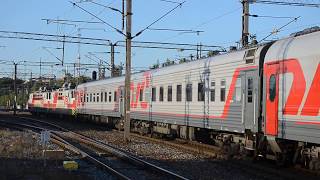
117, 162
245, 166
193, 147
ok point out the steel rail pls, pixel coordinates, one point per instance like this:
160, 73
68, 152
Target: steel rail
84, 154
107, 147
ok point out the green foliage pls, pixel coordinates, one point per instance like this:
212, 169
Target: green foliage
213, 53
7, 90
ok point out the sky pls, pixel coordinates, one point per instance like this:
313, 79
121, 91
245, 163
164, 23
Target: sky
220, 22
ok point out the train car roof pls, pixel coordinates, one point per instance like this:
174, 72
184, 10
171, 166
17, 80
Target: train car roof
215, 60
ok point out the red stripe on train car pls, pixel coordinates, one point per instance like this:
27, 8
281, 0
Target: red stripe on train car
312, 105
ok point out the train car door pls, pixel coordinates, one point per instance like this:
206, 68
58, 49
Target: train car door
249, 99
121, 101
272, 98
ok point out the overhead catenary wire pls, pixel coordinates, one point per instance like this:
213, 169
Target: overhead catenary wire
177, 30
206, 22
277, 30
73, 21
287, 3
99, 41
274, 17
114, 9
157, 20
117, 30
168, 1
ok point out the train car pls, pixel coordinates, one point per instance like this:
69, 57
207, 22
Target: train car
204, 94
291, 98
101, 100
61, 101
263, 99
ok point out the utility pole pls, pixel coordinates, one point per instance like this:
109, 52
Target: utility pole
112, 59
128, 71
15, 89
40, 67
123, 16
200, 50
31, 80
63, 42
245, 23
79, 57
197, 50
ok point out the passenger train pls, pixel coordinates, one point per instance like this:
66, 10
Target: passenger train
263, 99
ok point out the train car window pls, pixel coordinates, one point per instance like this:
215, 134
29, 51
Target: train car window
94, 97
115, 96
189, 92
110, 96
237, 93
72, 94
154, 93
87, 97
105, 96
223, 90
161, 94
272, 87
98, 97
179, 92
250, 90
101, 96
169, 93
141, 95
213, 91
90, 97
201, 92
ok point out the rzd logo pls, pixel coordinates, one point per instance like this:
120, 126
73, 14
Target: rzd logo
140, 89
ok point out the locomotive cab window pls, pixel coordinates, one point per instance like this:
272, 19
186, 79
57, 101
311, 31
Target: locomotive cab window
272, 87
201, 92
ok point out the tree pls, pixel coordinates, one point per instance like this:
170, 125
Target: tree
212, 53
